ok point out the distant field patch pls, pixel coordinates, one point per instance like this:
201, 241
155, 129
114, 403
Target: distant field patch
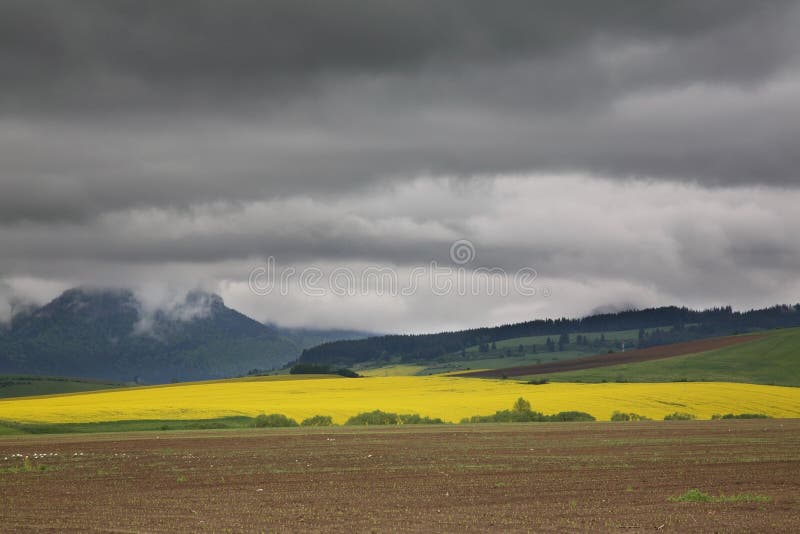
772, 359
26, 385
448, 398
392, 370
615, 358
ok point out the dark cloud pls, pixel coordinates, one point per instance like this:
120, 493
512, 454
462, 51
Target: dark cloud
108, 105
90, 56
139, 138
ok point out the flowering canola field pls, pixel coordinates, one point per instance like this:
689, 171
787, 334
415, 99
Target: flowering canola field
450, 398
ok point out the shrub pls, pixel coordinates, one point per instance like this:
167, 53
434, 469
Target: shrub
679, 416
273, 420
310, 369
416, 419
570, 417
318, 420
318, 369
538, 382
378, 417
521, 405
505, 416
745, 416
628, 416
521, 412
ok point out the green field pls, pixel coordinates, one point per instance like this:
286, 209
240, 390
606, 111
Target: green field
499, 362
139, 425
620, 335
514, 352
773, 360
491, 360
9, 431
629, 336
26, 385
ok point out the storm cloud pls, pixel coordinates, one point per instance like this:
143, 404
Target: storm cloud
79, 51
631, 152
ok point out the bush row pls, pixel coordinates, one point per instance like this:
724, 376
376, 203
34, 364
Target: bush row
741, 416
376, 417
274, 420
683, 416
628, 416
520, 412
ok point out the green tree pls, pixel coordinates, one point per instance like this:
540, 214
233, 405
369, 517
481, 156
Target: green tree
273, 420
521, 405
318, 420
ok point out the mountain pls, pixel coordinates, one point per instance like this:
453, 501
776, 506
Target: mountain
671, 324
106, 334
311, 337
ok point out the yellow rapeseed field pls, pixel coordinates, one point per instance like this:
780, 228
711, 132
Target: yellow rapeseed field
450, 398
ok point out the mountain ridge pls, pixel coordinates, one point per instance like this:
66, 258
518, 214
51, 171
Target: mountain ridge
673, 324
108, 334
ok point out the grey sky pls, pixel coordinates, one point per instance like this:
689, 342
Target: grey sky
635, 153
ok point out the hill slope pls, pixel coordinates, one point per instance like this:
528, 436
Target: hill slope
681, 324
617, 358
23, 386
771, 359
106, 334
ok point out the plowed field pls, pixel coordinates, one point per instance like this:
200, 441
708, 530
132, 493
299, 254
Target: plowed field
602, 477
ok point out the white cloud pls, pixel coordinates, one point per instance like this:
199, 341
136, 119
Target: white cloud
593, 242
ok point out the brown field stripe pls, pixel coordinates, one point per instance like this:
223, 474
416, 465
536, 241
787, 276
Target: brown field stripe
616, 358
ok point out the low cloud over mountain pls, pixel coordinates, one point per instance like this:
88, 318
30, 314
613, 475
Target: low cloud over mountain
108, 334
630, 154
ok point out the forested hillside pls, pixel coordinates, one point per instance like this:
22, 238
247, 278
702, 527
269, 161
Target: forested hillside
657, 325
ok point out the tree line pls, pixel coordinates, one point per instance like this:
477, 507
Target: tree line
673, 324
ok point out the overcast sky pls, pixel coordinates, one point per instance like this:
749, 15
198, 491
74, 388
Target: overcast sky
632, 153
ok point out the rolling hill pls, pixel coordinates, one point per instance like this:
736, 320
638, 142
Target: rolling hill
772, 359
650, 327
26, 385
105, 334
612, 358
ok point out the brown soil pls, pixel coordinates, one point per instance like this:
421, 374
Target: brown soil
548, 477
616, 358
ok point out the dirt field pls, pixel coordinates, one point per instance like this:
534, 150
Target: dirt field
545, 477
616, 358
